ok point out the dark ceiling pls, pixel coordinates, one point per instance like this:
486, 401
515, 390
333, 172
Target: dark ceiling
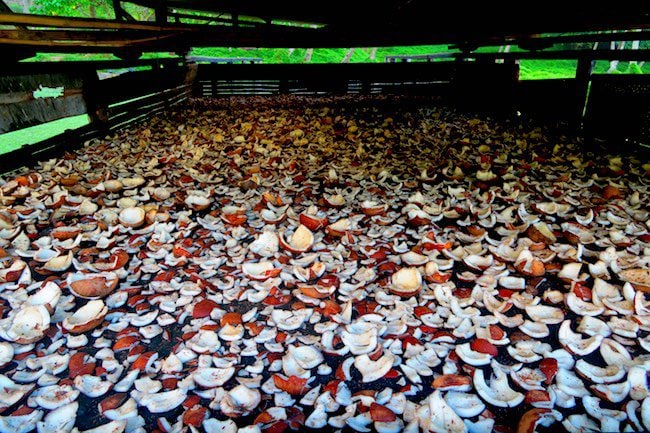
181, 24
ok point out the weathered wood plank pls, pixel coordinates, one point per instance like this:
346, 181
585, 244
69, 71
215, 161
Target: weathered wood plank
138, 83
20, 107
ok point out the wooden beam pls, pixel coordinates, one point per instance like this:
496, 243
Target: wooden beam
31, 68
76, 35
117, 43
86, 23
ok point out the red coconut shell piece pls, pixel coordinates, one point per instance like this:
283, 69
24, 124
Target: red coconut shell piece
117, 260
330, 308
264, 418
169, 383
191, 401
380, 413
484, 346
611, 192
203, 308
293, 384
537, 396
450, 381
112, 402
496, 333
329, 281
195, 416
529, 420
332, 386
254, 329
125, 343
142, 361
581, 291
313, 292
422, 310
78, 367
231, 319
23, 410
276, 427
296, 417
234, 219
549, 367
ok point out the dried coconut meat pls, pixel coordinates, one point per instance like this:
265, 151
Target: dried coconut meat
288, 264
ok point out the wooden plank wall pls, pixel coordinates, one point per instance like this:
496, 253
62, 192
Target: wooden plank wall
618, 109
20, 108
112, 104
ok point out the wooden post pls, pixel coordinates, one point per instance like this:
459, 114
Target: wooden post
190, 78
97, 108
583, 79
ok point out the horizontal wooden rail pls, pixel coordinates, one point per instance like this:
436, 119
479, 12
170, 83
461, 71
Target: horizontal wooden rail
81, 23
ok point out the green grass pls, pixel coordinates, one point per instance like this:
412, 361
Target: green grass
13, 140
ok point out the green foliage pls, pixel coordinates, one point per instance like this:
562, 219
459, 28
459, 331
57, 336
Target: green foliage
77, 8
634, 68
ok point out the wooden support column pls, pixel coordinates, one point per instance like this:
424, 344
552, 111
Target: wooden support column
190, 78
161, 13
583, 79
97, 108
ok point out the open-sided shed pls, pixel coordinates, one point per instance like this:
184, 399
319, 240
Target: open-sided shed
427, 244
477, 80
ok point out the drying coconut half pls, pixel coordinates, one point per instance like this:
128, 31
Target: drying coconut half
334, 200
300, 360
582, 308
528, 265
6, 353
240, 401
301, 240
48, 296
437, 416
266, 245
406, 282
314, 221
512, 283
338, 228
132, 217
595, 374
60, 263
452, 382
464, 404
197, 202
414, 259
112, 185
372, 208
545, 314
212, 377
538, 416
575, 343
472, 357
639, 278
86, 318
478, 263
541, 232
92, 286
260, 271
360, 337
498, 392
160, 402
12, 392
29, 324
570, 272
373, 370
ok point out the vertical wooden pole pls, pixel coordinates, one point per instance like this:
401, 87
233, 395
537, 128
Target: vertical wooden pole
95, 103
583, 78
